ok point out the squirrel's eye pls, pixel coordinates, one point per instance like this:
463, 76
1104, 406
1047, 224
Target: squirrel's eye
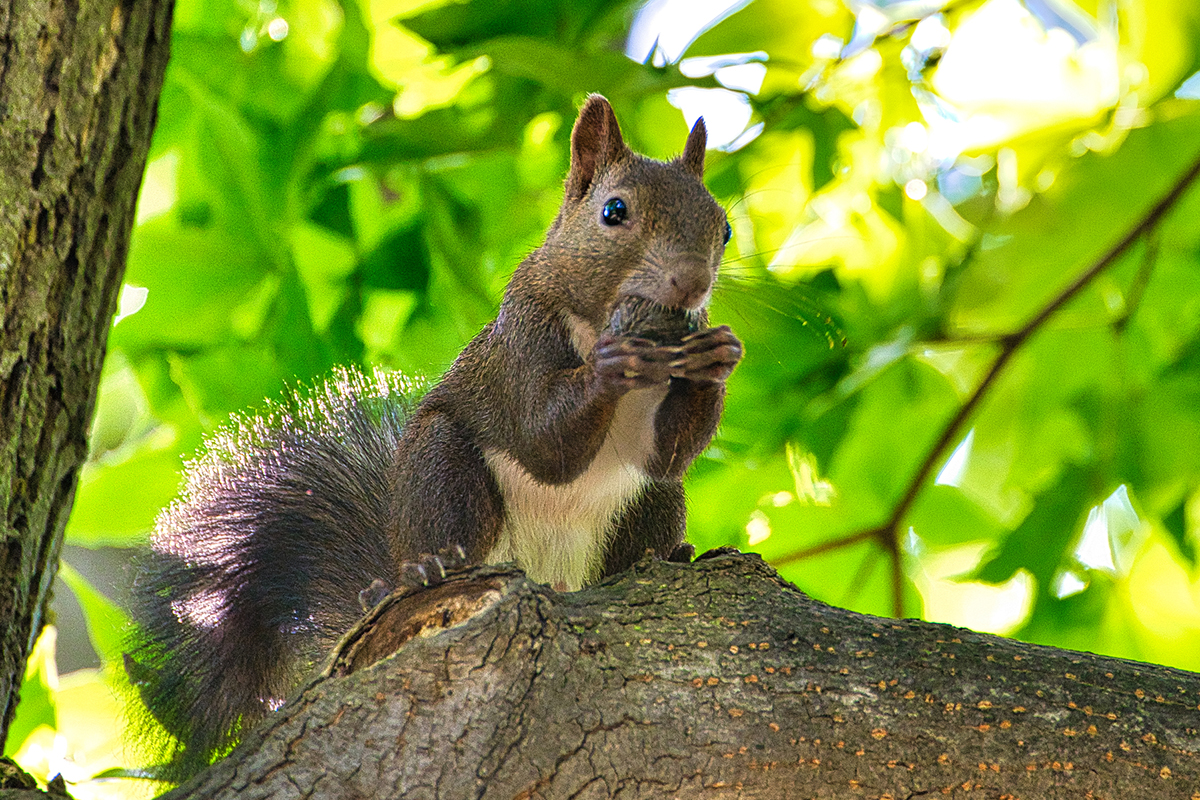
728, 232
614, 212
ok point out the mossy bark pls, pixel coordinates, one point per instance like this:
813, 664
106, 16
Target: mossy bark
79, 86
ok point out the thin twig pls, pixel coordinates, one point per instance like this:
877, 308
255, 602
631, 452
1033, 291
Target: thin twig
866, 566
825, 547
897, 575
1009, 345
1137, 289
1013, 342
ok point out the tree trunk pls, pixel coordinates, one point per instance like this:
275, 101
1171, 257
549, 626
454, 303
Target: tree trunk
79, 86
710, 680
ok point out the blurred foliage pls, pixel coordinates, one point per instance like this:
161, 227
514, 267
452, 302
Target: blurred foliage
910, 185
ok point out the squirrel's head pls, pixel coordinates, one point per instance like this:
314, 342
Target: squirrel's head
631, 226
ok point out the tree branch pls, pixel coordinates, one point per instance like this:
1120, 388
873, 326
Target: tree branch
713, 679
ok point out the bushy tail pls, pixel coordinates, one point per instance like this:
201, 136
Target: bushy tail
255, 570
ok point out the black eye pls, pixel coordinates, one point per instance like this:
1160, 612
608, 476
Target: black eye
728, 232
614, 212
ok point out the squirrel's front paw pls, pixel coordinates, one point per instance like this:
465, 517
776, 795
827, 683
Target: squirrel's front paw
630, 362
373, 595
708, 355
683, 553
430, 569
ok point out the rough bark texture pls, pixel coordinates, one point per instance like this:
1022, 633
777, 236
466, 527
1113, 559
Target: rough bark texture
715, 679
79, 85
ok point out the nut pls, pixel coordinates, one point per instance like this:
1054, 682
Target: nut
638, 316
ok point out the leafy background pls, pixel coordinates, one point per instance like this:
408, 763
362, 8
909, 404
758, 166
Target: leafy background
970, 394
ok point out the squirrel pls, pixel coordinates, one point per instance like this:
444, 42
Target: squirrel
557, 440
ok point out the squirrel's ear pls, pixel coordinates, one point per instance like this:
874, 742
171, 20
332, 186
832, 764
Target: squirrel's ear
595, 143
693, 152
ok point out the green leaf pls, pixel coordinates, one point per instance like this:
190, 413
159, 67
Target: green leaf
333, 211
1080, 621
1032, 256
945, 515
228, 154
1175, 523
785, 29
723, 494
223, 380
1040, 542
197, 279
107, 623
454, 130
115, 504
861, 579
826, 126
37, 706
325, 263
898, 417
455, 25
401, 260
567, 70
1167, 424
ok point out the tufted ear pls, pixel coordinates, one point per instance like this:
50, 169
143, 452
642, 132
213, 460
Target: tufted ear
595, 144
693, 152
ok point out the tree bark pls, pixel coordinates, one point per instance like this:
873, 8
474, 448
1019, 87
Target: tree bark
715, 679
79, 86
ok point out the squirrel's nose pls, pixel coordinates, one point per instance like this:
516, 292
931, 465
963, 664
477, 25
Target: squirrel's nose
690, 281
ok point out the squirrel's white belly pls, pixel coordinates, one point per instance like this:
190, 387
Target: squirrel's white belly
559, 533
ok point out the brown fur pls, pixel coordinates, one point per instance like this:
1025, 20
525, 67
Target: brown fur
524, 388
